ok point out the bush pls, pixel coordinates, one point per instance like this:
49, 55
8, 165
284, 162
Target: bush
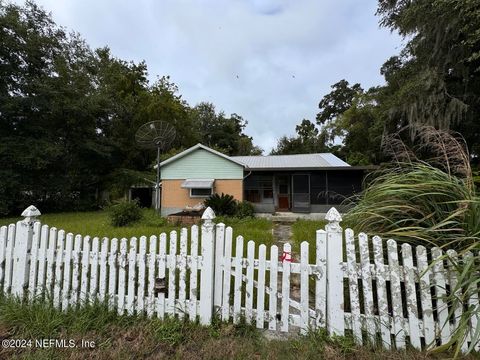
223, 204
244, 210
125, 213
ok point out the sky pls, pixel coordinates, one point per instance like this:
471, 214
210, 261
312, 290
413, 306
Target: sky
270, 61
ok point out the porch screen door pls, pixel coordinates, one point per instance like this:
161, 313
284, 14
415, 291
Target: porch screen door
301, 192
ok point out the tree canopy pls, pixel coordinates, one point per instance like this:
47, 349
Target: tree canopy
434, 80
68, 116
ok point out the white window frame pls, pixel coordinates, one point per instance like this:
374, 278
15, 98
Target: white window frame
200, 196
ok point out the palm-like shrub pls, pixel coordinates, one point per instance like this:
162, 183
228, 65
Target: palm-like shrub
223, 204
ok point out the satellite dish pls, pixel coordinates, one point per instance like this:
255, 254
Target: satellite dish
155, 134
159, 135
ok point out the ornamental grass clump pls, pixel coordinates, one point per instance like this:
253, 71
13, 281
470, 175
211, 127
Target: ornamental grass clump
419, 204
428, 197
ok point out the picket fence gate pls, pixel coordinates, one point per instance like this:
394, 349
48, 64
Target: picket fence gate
374, 290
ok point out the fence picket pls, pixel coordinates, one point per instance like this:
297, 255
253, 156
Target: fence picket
382, 292
249, 282
272, 298
287, 250
424, 273
162, 262
172, 264
141, 275
321, 278
132, 273
3, 246
237, 292
32, 280
112, 274
57, 285
76, 270
193, 272
411, 296
369, 306
453, 281
353, 285
152, 255
335, 306
52, 244
85, 269
219, 255
398, 320
9, 258
94, 269
262, 258
304, 300
473, 303
227, 266
122, 273
102, 281
67, 271
440, 293
182, 288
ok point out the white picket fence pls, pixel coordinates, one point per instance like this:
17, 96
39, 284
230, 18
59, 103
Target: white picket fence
374, 290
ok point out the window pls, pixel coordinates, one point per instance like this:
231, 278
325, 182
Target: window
199, 192
259, 189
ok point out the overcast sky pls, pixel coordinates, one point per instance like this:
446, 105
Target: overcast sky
270, 61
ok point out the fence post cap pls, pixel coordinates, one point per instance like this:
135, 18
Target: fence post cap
208, 214
30, 213
333, 215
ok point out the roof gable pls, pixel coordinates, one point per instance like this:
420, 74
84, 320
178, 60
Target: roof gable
196, 147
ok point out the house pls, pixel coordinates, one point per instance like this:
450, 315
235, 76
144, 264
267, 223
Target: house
305, 183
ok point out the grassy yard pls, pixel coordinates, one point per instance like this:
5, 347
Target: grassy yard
96, 223
131, 337
305, 230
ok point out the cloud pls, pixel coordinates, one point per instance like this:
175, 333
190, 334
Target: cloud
270, 61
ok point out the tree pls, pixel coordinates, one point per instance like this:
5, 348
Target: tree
47, 120
436, 76
224, 133
308, 140
68, 116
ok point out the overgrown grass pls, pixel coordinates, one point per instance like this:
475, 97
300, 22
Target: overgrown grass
305, 230
257, 229
97, 223
129, 337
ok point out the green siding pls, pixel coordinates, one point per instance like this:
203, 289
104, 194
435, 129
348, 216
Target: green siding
201, 164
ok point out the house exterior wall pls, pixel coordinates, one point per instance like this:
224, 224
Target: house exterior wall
175, 198
202, 164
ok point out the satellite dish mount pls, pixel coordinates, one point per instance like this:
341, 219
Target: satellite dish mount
159, 135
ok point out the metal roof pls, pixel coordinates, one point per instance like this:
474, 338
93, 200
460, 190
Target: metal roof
297, 161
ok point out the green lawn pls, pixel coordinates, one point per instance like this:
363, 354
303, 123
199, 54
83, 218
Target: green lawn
96, 223
305, 230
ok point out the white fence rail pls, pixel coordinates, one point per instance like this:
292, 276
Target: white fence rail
377, 291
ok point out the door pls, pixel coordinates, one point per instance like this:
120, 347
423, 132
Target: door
283, 192
301, 193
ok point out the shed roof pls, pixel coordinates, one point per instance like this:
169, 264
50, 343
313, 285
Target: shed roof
297, 161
